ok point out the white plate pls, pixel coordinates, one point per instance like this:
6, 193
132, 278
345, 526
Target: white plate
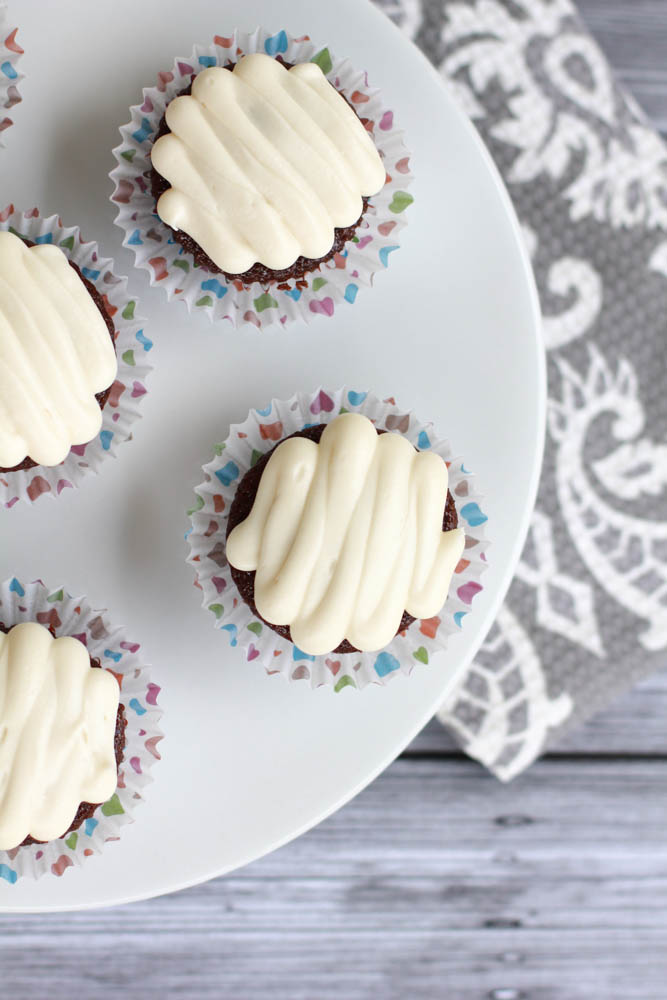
451, 329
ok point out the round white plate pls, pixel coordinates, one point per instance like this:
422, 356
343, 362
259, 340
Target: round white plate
451, 329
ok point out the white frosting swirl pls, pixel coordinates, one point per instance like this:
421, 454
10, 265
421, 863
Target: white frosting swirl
57, 726
347, 534
264, 163
55, 355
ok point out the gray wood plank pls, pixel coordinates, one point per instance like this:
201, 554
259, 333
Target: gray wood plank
634, 38
436, 881
634, 724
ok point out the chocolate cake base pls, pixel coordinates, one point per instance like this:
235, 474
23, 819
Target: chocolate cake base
101, 397
258, 272
241, 506
86, 809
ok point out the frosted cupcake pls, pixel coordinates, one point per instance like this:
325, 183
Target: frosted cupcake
72, 357
57, 345
263, 170
343, 535
79, 729
336, 539
63, 735
261, 179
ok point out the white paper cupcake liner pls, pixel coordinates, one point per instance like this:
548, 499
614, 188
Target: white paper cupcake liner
132, 347
320, 292
28, 602
10, 76
246, 443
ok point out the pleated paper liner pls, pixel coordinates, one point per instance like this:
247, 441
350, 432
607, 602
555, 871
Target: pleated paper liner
323, 292
132, 347
257, 644
34, 602
10, 74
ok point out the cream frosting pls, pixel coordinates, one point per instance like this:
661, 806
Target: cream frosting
264, 163
55, 355
57, 726
346, 534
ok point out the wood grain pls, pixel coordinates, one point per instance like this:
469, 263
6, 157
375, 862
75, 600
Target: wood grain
553, 887
633, 36
437, 881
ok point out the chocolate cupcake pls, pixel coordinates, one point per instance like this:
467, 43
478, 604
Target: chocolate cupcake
78, 730
73, 354
344, 537
336, 539
263, 170
246, 496
57, 344
63, 735
261, 180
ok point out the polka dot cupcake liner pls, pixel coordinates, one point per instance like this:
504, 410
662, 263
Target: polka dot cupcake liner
254, 640
10, 76
132, 348
34, 602
335, 285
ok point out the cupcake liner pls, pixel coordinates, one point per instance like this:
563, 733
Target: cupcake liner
10, 77
318, 293
132, 346
241, 450
24, 602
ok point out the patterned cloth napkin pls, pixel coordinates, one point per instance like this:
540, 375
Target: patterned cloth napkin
586, 615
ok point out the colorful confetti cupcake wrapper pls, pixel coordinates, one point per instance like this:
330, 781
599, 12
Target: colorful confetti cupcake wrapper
254, 640
335, 285
25, 602
10, 76
132, 347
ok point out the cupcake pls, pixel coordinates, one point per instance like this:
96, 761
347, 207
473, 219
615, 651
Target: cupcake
342, 535
63, 735
347, 550
258, 173
72, 351
57, 344
263, 170
79, 729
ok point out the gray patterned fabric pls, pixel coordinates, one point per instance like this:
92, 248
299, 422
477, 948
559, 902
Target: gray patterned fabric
586, 615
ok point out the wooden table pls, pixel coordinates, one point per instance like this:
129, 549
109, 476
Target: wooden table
437, 881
